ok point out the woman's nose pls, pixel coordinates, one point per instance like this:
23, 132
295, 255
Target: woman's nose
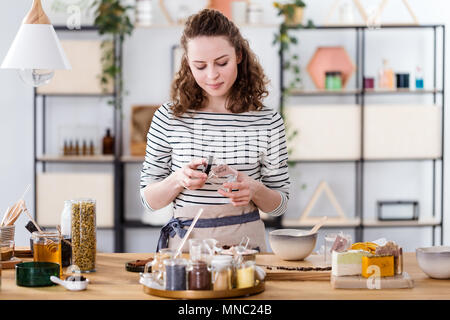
212, 73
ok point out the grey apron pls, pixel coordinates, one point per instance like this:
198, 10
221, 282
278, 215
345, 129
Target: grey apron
225, 223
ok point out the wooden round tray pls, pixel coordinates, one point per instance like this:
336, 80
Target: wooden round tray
205, 294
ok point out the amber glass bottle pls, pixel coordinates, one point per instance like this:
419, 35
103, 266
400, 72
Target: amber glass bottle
108, 143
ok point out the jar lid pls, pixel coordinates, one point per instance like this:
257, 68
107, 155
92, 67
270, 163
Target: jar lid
222, 260
45, 234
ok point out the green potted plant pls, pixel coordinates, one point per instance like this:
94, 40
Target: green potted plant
112, 19
292, 11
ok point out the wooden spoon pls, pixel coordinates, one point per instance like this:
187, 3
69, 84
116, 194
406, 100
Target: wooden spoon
318, 225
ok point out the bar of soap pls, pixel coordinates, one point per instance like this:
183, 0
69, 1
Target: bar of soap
384, 263
392, 249
347, 263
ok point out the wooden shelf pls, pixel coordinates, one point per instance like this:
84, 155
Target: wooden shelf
77, 159
350, 92
407, 223
330, 224
131, 159
318, 92
174, 26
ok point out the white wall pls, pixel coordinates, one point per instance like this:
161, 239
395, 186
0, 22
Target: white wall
147, 78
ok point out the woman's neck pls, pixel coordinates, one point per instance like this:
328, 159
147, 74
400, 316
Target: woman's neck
216, 104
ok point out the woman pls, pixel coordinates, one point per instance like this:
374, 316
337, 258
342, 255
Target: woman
217, 110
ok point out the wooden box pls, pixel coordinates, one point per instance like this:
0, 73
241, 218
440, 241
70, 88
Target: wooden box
141, 118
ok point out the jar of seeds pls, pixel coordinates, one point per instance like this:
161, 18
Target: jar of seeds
84, 241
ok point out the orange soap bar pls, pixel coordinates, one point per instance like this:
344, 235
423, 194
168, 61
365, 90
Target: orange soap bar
384, 263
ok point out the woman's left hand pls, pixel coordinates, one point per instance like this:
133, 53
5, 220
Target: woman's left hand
246, 188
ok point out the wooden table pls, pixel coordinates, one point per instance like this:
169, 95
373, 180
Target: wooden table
112, 281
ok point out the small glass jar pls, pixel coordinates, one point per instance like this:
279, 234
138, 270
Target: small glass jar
157, 265
84, 240
199, 276
6, 250
222, 272
245, 275
175, 274
47, 248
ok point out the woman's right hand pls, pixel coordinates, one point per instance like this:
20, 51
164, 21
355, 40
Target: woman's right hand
189, 178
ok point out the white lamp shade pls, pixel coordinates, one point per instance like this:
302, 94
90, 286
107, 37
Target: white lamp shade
36, 46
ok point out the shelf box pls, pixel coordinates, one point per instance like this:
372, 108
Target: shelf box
54, 188
84, 77
324, 132
402, 131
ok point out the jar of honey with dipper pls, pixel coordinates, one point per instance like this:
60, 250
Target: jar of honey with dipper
47, 248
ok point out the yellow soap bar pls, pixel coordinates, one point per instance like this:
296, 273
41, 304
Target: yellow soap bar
384, 263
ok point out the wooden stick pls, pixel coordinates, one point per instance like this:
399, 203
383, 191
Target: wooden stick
4, 217
15, 213
13, 210
188, 232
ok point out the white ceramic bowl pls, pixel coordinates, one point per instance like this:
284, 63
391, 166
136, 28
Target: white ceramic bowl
292, 244
434, 261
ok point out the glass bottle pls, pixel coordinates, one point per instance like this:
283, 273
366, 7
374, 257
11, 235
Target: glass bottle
419, 78
199, 276
175, 274
222, 272
84, 240
157, 265
108, 143
245, 275
386, 77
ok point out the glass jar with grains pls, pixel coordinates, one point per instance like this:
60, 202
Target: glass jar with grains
84, 241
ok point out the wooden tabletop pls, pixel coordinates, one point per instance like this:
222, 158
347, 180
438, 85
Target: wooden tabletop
113, 282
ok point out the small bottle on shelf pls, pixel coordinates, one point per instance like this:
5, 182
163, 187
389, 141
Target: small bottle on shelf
419, 78
108, 143
91, 148
386, 78
84, 148
77, 148
70, 151
66, 148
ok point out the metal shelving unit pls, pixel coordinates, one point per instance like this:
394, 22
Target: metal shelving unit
114, 160
360, 93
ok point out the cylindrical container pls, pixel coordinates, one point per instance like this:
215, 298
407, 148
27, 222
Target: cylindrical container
333, 80
245, 275
84, 240
66, 218
157, 265
369, 83
196, 249
6, 250
222, 272
402, 80
199, 276
239, 12
7, 233
175, 274
255, 13
47, 248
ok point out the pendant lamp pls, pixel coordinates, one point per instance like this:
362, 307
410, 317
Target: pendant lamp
36, 51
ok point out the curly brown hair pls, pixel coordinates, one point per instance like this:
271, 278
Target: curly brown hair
248, 90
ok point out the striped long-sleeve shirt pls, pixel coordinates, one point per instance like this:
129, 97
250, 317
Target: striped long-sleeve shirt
252, 142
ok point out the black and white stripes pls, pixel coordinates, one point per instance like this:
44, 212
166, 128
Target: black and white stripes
252, 142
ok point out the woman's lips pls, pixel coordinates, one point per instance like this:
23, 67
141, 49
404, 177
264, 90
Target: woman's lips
215, 85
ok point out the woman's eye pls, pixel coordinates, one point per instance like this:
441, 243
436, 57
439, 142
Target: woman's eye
200, 68
223, 64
